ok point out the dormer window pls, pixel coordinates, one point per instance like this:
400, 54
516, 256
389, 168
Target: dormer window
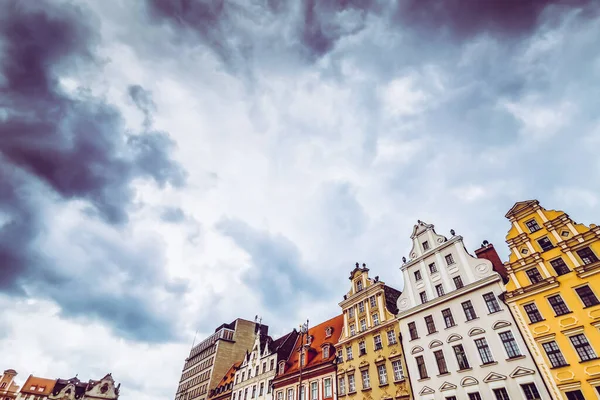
359, 285
309, 339
281, 369
328, 331
426, 245
326, 351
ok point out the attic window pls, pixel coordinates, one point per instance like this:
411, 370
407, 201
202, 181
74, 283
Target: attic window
281, 368
31, 388
309, 339
326, 352
564, 233
328, 331
359, 286
524, 251
41, 389
426, 245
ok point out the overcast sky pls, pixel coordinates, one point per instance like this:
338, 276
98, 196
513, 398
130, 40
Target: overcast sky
168, 166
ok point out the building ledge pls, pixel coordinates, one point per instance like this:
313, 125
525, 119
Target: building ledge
516, 358
525, 291
489, 364
588, 269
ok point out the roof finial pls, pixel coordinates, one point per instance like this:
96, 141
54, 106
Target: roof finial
357, 265
452, 232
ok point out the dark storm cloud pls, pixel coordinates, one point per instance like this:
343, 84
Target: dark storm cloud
60, 147
277, 268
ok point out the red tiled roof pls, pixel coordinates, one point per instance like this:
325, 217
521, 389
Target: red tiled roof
315, 352
226, 380
37, 383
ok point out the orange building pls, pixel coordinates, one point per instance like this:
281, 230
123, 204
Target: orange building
8, 387
224, 388
36, 388
310, 371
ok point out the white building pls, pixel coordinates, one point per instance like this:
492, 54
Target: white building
460, 341
254, 377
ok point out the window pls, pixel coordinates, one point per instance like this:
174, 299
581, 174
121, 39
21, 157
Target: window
362, 349
587, 256
290, 395
432, 268
449, 259
545, 243
381, 371
423, 296
361, 307
501, 394
302, 392
244, 373
377, 341
261, 389
575, 395
246, 394
554, 354
365, 379
458, 282
510, 344
430, 324
340, 356
359, 286
450, 398
269, 385
439, 289
474, 396
534, 275
441, 362
281, 369
342, 385
484, 351
469, 310
582, 346
426, 245
532, 225
421, 366
461, 357
256, 371
280, 395
327, 385
391, 337
351, 312
314, 391
588, 298
363, 325
491, 302
398, 371
326, 352
233, 397
558, 305
448, 318
559, 266
533, 313
264, 367
418, 276
412, 329
352, 330
349, 353
272, 365
351, 384
237, 379
375, 319
372, 301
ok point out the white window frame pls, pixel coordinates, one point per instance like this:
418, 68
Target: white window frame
327, 389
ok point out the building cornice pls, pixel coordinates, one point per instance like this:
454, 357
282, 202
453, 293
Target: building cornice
358, 296
370, 331
530, 290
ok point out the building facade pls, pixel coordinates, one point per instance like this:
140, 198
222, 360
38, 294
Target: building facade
370, 361
74, 389
8, 387
553, 293
254, 377
309, 373
210, 359
460, 341
36, 388
224, 388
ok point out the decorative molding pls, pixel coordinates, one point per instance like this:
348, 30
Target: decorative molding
426, 390
454, 338
493, 376
435, 343
521, 371
500, 325
468, 381
447, 386
476, 331
416, 349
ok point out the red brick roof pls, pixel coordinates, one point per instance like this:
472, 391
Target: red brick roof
33, 384
315, 351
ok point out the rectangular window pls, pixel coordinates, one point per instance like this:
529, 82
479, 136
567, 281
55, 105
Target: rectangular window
532, 225
439, 289
491, 302
377, 341
423, 296
351, 312
352, 330
272, 365
587, 256
484, 351
426, 245
302, 393
359, 286
448, 318
418, 276
391, 337
246, 394
362, 349
554, 354
441, 362
366, 383
461, 357
458, 282
233, 397
314, 391
533, 313
510, 344
474, 396
363, 325
264, 367
269, 385
559, 266
244, 375
372, 301
326, 352
398, 371
430, 324
534, 275
558, 305
588, 298
290, 395
450, 398
412, 329
375, 319
545, 244
575, 395
582, 346
261, 389
349, 353
421, 366
381, 371
340, 356
342, 385
432, 268
256, 373
469, 310
501, 394
361, 307
351, 384
280, 395
449, 259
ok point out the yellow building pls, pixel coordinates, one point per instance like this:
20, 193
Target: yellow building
554, 292
369, 355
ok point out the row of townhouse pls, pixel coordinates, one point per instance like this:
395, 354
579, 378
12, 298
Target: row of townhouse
466, 326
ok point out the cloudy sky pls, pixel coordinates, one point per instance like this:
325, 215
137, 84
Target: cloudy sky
167, 166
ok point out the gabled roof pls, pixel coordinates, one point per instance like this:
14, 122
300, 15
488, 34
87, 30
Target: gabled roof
36, 383
284, 345
520, 205
391, 296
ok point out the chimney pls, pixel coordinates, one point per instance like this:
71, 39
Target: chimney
488, 252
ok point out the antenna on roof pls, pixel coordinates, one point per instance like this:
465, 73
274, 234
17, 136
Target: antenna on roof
194, 342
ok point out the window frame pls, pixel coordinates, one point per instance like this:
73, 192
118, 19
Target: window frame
532, 225
423, 297
418, 275
421, 367
449, 259
470, 308
396, 363
545, 246
595, 300
512, 344
440, 361
413, 331
554, 354
587, 346
526, 388
483, 348
558, 305
534, 275
448, 317
460, 354
533, 313
365, 379
381, 375
439, 288
377, 346
458, 282
432, 268
558, 264
592, 256
430, 324
493, 300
